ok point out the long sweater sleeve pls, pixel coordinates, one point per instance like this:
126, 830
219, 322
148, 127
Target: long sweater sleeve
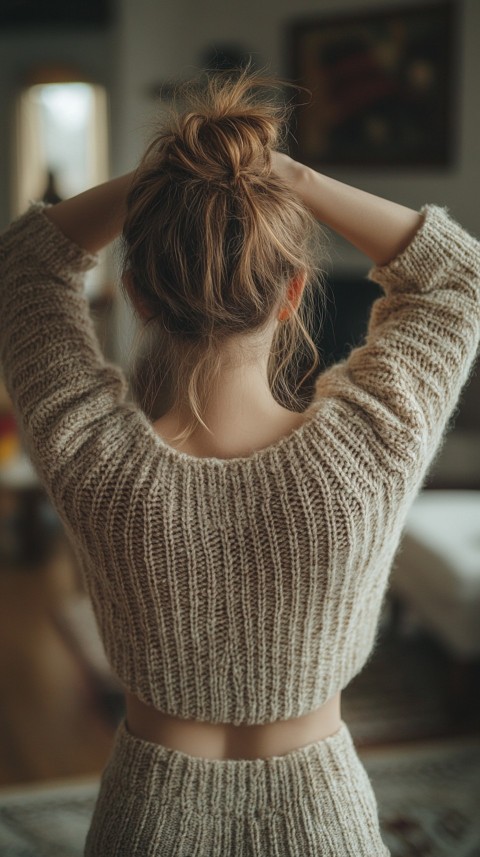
396, 393
62, 388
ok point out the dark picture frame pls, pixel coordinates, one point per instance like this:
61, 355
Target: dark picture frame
382, 87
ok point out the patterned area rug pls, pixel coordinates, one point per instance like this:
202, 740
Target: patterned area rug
428, 796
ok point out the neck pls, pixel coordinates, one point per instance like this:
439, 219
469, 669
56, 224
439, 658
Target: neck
241, 396
242, 416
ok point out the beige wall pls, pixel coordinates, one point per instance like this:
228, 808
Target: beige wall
157, 41
154, 40
161, 42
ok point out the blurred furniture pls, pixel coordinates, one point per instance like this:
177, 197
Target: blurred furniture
436, 580
437, 568
28, 523
75, 621
458, 463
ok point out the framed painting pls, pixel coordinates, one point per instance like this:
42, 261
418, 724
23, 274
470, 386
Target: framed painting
382, 87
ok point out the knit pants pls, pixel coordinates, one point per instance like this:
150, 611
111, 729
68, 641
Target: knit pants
316, 801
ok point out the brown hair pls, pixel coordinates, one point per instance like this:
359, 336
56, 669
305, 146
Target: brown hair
212, 238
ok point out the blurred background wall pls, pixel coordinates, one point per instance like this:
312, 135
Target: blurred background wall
159, 43
148, 42
143, 44
155, 42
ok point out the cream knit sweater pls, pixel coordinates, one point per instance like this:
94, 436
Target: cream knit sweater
243, 590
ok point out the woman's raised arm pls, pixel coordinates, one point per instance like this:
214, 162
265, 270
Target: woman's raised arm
378, 228
94, 218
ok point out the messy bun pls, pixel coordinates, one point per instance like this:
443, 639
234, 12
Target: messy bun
212, 238
222, 148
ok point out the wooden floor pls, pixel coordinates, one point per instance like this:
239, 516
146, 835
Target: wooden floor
51, 725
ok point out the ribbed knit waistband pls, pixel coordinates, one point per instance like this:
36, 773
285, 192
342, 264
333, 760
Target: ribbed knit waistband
159, 802
234, 785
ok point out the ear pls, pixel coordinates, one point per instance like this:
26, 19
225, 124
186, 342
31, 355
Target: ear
296, 287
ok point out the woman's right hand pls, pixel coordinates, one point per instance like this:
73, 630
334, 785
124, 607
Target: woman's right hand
377, 227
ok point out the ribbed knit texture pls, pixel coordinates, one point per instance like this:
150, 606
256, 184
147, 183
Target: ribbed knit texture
316, 801
243, 590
